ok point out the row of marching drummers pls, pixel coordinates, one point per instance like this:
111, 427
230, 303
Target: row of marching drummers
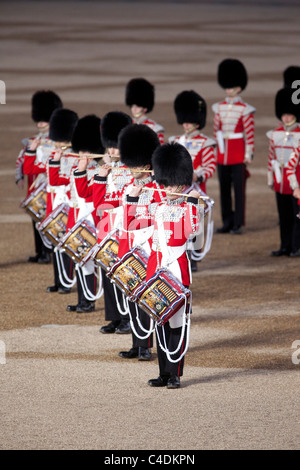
151, 221
166, 291
161, 296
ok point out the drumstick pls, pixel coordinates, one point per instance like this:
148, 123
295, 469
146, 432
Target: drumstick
174, 194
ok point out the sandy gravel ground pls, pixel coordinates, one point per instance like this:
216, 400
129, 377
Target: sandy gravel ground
63, 385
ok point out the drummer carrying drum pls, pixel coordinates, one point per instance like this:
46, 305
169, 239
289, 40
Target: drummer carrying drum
175, 219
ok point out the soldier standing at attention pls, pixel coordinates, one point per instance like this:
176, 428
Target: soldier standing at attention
234, 132
283, 170
140, 97
43, 103
190, 110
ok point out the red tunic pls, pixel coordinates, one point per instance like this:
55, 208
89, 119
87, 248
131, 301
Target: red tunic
144, 119
234, 130
33, 163
174, 222
107, 198
137, 222
283, 159
84, 181
62, 175
202, 151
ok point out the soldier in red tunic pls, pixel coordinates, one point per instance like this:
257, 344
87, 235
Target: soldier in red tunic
137, 144
43, 103
61, 128
234, 132
291, 77
106, 187
190, 110
86, 140
140, 97
59, 169
284, 170
174, 219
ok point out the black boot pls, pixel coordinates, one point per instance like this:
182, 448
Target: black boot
110, 328
159, 382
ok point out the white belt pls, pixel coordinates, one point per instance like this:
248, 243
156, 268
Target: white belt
276, 169
233, 135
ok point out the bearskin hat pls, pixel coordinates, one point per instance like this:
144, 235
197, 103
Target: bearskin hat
43, 103
172, 165
140, 92
232, 73
190, 107
62, 124
111, 125
86, 135
284, 104
291, 74
137, 143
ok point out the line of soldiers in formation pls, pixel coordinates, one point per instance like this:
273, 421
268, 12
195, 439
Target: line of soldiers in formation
151, 190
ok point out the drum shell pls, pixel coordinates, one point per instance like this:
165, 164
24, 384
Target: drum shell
105, 254
130, 271
79, 240
36, 203
54, 226
162, 296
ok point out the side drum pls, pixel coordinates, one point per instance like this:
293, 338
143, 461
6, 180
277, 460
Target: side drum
130, 271
162, 296
105, 254
54, 226
79, 240
36, 203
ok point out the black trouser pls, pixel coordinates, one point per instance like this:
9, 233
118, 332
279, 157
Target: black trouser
110, 304
172, 336
145, 321
68, 266
233, 215
289, 224
90, 281
40, 248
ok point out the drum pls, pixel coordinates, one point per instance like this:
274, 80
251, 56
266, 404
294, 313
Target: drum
54, 226
36, 203
162, 296
105, 254
79, 240
130, 271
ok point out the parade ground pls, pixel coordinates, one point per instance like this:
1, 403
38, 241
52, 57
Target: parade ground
63, 384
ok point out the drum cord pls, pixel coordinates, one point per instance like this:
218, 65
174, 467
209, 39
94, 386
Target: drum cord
60, 265
209, 235
87, 293
152, 326
186, 327
44, 238
148, 332
127, 311
122, 312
